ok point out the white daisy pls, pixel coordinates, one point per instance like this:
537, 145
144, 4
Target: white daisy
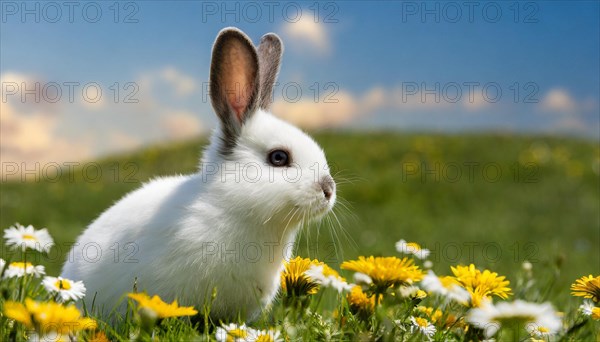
412, 248
18, 269
490, 317
2, 263
232, 332
446, 287
22, 237
316, 273
587, 308
538, 331
67, 289
422, 325
411, 291
264, 336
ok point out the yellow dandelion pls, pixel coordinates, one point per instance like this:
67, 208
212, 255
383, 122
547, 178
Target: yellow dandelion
48, 317
596, 313
160, 308
359, 302
420, 294
436, 315
99, 337
433, 315
587, 287
295, 281
386, 271
481, 284
328, 271
18, 312
453, 321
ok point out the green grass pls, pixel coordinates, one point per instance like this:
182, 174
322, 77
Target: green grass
543, 208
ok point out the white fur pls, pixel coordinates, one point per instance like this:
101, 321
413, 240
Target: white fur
182, 236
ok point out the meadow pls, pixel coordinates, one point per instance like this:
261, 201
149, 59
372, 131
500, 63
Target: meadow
494, 200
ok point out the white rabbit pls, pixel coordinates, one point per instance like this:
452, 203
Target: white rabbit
228, 227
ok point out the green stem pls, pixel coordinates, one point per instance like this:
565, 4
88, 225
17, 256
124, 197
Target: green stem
23, 280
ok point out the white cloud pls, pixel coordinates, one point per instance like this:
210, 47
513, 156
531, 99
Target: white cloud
97, 105
182, 84
558, 100
30, 129
374, 99
475, 103
323, 113
15, 77
181, 124
567, 113
42, 132
173, 121
403, 99
308, 35
346, 106
31, 141
169, 79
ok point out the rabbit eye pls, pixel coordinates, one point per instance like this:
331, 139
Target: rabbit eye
279, 158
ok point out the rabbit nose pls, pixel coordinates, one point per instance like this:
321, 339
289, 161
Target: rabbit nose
328, 186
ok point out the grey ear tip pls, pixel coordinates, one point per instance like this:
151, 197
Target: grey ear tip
270, 36
272, 39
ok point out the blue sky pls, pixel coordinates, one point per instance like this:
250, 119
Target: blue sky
382, 63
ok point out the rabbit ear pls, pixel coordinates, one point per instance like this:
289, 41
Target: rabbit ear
269, 57
234, 81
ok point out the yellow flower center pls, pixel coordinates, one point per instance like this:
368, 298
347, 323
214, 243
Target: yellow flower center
386, 271
63, 284
20, 264
422, 322
236, 334
29, 237
295, 282
264, 338
420, 294
543, 329
413, 246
